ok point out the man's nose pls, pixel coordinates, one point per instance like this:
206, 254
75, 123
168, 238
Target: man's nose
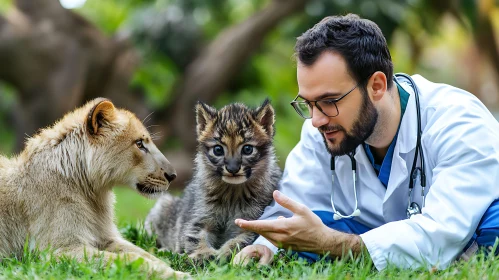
318, 117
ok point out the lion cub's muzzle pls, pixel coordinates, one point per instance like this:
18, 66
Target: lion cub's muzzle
170, 177
159, 180
154, 184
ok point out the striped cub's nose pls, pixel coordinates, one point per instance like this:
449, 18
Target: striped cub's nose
233, 165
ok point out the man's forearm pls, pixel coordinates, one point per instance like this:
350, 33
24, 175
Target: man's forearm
338, 244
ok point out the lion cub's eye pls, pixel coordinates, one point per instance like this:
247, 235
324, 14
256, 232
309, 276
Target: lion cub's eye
140, 144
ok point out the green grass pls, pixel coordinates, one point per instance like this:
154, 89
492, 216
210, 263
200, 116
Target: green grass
38, 265
131, 209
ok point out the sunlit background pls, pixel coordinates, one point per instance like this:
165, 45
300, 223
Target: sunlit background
72, 4
162, 56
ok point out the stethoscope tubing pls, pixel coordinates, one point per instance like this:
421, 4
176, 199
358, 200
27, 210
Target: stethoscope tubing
413, 207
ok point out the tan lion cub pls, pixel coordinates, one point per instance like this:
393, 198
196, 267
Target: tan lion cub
57, 192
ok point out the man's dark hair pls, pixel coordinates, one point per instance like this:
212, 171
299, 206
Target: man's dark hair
359, 41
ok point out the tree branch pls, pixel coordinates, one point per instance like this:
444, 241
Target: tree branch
57, 60
43, 9
486, 41
209, 74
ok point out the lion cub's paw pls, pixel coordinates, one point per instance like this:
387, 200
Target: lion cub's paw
167, 272
180, 275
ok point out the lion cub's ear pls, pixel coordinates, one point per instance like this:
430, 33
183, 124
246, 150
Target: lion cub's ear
264, 115
101, 113
204, 115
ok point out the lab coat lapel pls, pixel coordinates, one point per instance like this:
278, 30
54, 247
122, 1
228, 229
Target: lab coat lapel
367, 177
371, 191
396, 197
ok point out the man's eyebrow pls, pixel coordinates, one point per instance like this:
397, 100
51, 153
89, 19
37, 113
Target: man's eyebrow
332, 95
325, 95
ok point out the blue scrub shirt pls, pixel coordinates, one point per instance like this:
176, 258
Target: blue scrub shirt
383, 169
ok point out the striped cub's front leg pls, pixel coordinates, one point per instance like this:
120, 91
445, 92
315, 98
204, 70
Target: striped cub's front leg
202, 249
235, 244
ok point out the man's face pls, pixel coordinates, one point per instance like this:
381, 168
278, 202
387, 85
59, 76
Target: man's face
328, 78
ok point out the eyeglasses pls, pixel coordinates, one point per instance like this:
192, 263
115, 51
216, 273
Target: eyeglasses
327, 106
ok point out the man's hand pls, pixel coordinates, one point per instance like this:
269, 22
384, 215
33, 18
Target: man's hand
302, 232
257, 251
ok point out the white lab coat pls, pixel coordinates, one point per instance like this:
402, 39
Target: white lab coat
460, 140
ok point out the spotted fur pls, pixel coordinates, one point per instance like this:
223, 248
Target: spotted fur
237, 184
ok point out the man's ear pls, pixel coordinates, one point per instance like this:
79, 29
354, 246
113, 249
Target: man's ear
265, 116
379, 84
204, 115
103, 111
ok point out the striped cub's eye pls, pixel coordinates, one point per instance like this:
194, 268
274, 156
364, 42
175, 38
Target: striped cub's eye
218, 150
247, 149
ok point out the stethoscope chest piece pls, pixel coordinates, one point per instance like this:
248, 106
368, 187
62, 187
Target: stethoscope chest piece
413, 209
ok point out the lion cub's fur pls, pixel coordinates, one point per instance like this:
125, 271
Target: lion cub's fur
58, 192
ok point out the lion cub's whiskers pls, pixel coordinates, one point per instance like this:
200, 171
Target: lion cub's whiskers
147, 118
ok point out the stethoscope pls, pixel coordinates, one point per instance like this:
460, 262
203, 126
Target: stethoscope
413, 207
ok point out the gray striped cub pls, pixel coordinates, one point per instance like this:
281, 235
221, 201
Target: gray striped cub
235, 174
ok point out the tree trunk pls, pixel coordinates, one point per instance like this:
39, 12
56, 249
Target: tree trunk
485, 37
57, 60
208, 75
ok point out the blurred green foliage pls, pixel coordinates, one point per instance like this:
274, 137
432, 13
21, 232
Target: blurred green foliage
168, 34
7, 97
131, 206
5, 5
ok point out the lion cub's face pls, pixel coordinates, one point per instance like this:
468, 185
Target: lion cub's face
131, 158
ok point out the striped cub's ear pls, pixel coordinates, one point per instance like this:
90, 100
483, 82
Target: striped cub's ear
265, 116
204, 115
101, 113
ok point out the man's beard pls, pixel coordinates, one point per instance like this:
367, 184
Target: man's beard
362, 128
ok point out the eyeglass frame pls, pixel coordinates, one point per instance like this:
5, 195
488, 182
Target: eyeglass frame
309, 102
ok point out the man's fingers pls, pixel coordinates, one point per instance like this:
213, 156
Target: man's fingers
288, 203
259, 226
260, 252
266, 256
245, 256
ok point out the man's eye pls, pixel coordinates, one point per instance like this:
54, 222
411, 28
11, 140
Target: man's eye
140, 145
328, 102
218, 150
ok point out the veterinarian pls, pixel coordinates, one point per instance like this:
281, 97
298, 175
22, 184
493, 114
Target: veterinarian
399, 166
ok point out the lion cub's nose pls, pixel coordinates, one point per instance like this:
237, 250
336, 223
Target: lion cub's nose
170, 177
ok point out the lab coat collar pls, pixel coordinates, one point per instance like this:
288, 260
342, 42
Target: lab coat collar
398, 184
407, 135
